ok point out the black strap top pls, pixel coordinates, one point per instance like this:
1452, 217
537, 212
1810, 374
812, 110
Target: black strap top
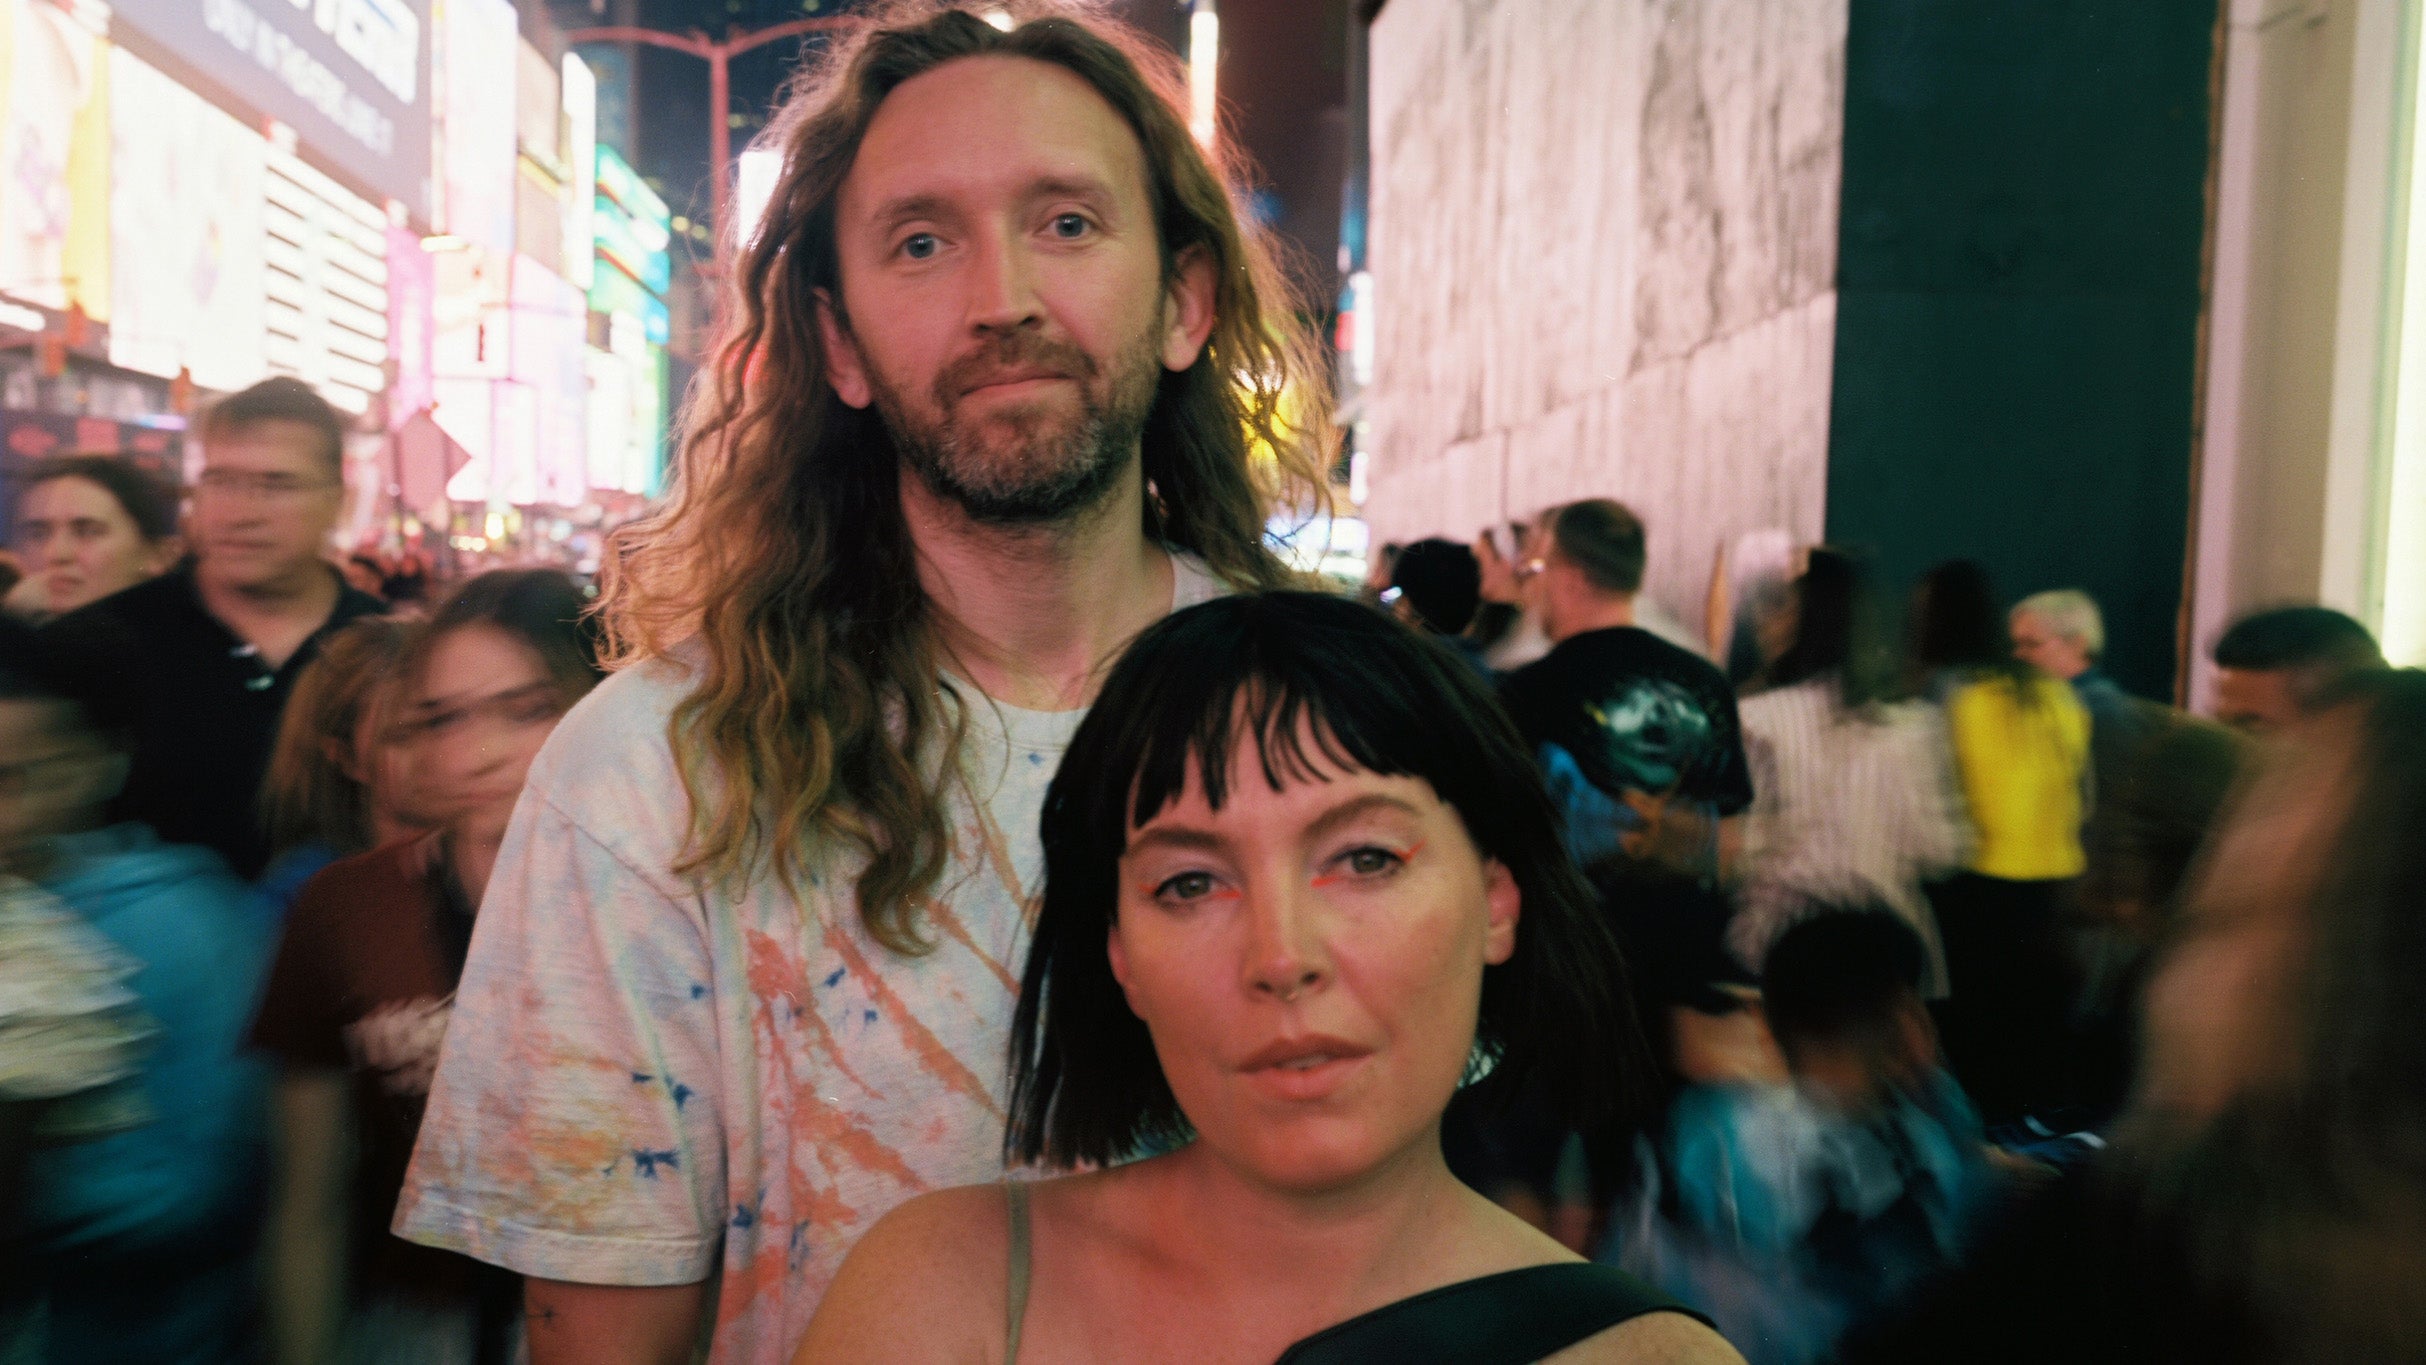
1510, 1318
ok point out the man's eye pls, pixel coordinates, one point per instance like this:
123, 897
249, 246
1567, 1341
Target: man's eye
1187, 886
921, 246
1071, 226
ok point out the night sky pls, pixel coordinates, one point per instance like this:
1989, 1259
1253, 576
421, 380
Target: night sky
1284, 76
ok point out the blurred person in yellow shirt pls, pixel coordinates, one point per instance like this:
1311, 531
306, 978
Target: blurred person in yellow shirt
2020, 743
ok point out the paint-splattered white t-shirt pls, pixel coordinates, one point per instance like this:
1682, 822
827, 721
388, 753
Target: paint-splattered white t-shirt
645, 1082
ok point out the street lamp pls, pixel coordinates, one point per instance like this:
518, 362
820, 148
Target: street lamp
718, 55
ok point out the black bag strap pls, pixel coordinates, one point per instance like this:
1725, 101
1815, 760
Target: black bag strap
1511, 1318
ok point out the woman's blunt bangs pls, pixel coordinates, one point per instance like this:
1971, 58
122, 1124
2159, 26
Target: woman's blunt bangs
1292, 671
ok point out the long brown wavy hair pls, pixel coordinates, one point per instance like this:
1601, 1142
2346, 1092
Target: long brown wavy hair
821, 724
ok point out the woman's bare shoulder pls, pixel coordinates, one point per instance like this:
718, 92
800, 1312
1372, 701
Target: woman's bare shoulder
1652, 1339
926, 1283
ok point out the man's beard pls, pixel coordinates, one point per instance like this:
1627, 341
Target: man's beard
1039, 468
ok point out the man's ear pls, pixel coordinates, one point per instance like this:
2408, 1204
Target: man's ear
1188, 308
846, 368
1503, 902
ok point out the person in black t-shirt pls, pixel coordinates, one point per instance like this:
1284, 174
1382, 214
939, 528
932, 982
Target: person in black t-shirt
210, 650
1640, 747
1638, 738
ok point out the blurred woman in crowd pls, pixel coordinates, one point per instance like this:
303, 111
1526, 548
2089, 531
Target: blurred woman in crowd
1300, 880
364, 979
88, 526
1851, 796
336, 786
2265, 1201
2021, 753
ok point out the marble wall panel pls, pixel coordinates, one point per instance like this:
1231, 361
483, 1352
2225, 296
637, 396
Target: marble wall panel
1604, 246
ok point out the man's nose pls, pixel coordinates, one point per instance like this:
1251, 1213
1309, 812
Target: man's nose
1002, 287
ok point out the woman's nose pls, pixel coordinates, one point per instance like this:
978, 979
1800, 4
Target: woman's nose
1285, 958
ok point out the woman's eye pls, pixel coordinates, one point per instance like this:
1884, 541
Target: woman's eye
921, 246
1070, 226
1187, 886
1369, 861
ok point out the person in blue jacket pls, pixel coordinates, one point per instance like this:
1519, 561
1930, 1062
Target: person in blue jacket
146, 1238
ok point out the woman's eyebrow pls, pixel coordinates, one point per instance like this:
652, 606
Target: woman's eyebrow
1174, 836
1190, 837
1356, 807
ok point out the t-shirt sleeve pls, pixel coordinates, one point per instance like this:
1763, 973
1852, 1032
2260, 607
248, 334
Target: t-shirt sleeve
298, 1023
572, 1132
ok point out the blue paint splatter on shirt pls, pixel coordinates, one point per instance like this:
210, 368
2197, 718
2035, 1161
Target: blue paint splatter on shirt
698, 991
642, 1078
645, 1162
744, 1216
681, 1093
871, 1017
836, 979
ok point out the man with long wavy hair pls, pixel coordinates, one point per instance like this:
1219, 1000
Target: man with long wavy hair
744, 977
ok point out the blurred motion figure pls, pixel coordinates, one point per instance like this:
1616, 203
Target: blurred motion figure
358, 1002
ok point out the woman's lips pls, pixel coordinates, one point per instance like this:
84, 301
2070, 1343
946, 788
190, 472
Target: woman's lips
1305, 1068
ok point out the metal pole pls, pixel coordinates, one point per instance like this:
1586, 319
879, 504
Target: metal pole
720, 156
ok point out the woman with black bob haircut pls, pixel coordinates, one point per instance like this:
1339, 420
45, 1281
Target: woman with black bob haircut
1287, 858
1085, 1084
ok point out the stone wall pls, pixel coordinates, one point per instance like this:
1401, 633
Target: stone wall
1604, 254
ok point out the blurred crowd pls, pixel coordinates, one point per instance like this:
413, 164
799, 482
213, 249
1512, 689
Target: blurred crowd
249, 799
1958, 962
1999, 1013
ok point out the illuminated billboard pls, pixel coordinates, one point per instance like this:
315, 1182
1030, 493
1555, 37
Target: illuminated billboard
412, 291
327, 319
550, 321
632, 225
581, 161
351, 77
186, 221
477, 138
54, 160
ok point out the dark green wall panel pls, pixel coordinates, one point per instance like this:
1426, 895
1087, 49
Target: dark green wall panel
2024, 207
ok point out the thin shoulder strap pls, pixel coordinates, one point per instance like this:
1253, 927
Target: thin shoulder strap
1505, 1319
1016, 1192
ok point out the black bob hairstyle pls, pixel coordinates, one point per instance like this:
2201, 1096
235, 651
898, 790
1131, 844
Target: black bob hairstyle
1555, 1018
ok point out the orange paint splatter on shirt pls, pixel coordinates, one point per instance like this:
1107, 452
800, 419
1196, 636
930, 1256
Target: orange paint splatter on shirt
943, 918
916, 1036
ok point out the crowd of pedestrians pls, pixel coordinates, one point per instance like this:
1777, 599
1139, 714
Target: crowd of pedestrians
1934, 971
955, 894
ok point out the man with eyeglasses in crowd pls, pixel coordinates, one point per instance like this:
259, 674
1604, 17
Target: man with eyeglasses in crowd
212, 648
